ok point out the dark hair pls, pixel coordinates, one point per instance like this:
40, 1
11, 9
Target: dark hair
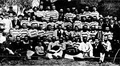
35, 8
20, 16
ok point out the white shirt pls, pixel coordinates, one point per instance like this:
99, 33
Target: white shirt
35, 3
2, 39
107, 45
85, 46
8, 24
40, 13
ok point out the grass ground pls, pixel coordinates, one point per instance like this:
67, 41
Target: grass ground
55, 62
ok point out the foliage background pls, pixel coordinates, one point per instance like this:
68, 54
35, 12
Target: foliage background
105, 7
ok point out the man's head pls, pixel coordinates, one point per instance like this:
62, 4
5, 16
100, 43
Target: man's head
1, 34
26, 38
76, 28
49, 27
61, 40
101, 20
76, 11
85, 39
41, 7
83, 19
40, 26
95, 18
51, 19
61, 10
73, 9
59, 26
39, 38
1, 18
115, 18
107, 28
106, 38
53, 7
10, 8
93, 38
82, 10
86, 8
9, 38
48, 8
97, 40
35, 9
24, 25
89, 19
68, 10
18, 38
111, 21
41, 2
94, 9
85, 27
53, 38
107, 20
39, 44
119, 22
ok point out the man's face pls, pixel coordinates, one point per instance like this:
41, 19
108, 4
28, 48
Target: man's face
40, 26
41, 7
106, 20
85, 39
82, 10
35, 9
96, 40
87, 8
73, 8
61, 10
84, 18
76, 28
115, 18
18, 38
68, 9
26, 38
53, 7
48, 8
112, 21
24, 25
119, 22
59, 27
105, 39
51, 19
0, 34
94, 9
101, 20
10, 38
6, 17
0, 19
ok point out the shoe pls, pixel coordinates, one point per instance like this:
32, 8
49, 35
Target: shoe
92, 56
100, 62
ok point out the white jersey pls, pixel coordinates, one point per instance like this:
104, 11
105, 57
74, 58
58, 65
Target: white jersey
2, 39
40, 13
107, 45
35, 3
108, 34
85, 46
8, 25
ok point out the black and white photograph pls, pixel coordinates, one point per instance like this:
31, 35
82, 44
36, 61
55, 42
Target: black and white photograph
59, 32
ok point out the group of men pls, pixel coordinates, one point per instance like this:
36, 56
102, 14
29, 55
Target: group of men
66, 33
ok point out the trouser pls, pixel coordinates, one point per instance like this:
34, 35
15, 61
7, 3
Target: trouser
50, 55
89, 53
29, 54
102, 56
80, 55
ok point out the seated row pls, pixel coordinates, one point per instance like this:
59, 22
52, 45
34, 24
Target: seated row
50, 47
